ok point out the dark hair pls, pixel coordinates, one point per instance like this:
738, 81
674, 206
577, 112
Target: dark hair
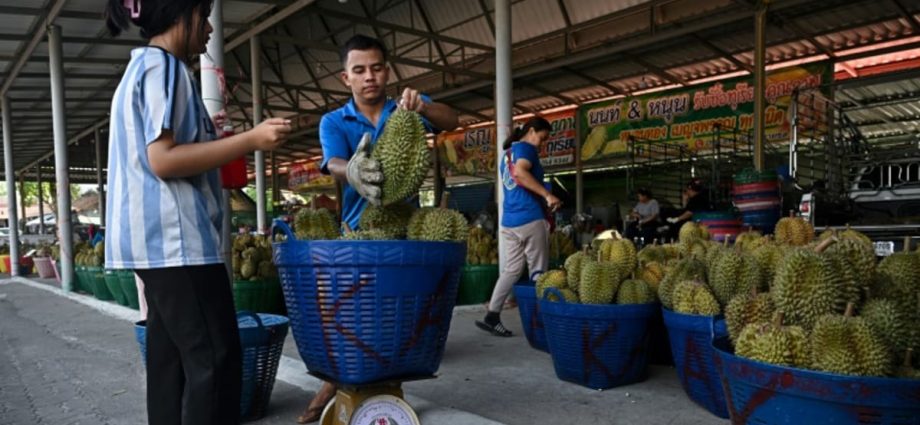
695, 186
361, 42
156, 16
645, 192
535, 123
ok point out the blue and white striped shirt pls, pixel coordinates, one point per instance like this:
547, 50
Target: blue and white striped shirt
153, 222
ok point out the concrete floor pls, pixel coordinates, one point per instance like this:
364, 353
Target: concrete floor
73, 360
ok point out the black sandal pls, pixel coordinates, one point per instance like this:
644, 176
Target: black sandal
498, 329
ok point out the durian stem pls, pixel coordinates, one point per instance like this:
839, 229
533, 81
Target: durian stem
825, 244
348, 228
791, 213
850, 308
907, 357
907, 244
778, 319
755, 291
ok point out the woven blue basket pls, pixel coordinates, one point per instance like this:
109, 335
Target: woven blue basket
761, 393
365, 311
691, 345
261, 339
597, 346
531, 320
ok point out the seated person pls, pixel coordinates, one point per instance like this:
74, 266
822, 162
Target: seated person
643, 217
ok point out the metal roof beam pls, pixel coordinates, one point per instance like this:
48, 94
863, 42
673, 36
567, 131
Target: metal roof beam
911, 19
661, 73
427, 21
267, 23
38, 34
307, 67
730, 57
79, 40
593, 80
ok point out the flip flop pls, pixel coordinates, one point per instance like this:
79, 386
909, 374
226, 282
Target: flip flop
497, 330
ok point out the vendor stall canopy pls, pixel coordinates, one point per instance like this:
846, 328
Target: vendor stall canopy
565, 52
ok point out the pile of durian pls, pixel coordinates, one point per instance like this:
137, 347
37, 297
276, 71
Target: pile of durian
252, 258
391, 222
481, 247
88, 256
795, 300
606, 276
560, 246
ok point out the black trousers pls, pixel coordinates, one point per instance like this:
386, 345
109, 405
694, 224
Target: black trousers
194, 360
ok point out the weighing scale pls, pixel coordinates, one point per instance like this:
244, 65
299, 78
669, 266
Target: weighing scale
378, 403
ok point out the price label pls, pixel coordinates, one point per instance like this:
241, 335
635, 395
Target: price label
883, 248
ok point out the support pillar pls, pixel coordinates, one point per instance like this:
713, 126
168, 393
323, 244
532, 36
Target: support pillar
41, 199
760, 80
100, 184
438, 177
579, 172
10, 185
61, 165
255, 62
213, 90
503, 102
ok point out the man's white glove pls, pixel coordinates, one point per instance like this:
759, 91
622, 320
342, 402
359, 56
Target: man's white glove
673, 220
364, 173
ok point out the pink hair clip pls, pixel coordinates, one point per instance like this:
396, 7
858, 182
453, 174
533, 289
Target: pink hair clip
134, 6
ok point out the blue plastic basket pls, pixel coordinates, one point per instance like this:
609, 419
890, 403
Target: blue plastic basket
761, 393
531, 320
366, 311
597, 346
691, 345
262, 340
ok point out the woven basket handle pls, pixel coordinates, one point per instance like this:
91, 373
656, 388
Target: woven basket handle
533, 276
278, 225
247, 313
717, 327
553, 291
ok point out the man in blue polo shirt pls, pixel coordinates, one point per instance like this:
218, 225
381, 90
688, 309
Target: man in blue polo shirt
347, 134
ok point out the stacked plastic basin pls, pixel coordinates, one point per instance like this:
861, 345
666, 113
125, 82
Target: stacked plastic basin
721, 224
756, 194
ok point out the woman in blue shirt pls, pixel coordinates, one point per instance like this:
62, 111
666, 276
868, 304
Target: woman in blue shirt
164, 212
524, 229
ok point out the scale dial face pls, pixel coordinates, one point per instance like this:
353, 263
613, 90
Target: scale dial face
384, 410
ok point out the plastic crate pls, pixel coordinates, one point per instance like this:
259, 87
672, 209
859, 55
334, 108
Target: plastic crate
366, 311
45, 267
531, 320
691, 345
761, 393
597, 346
111, 282
129, 287
262, 340
260, 296
477, 283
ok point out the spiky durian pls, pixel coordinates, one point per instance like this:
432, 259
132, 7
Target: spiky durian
620, 252
846, 345
402, 150
747, 308
635, 291
686, 269
598, 283
391, 220
794, 231
806, 287
315, 224
734, 273
437, 224
550, 279
691, 297
573, 266
772, 342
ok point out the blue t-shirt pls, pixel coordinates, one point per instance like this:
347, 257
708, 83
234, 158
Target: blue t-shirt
153, 222
340, 132
521, 206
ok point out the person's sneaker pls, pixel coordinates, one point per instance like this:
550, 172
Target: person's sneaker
497, 329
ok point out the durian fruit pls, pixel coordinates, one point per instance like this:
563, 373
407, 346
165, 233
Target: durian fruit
769, 256
251, 258
692, 297
794, 231
772, 342
550, 279
749, 240
690, 231
854, 262
573, 266
481, 247
248, 268
846, 345
313, 224
747, 308
437, 224
391, 220
734, 273
900, 273
620, 252
569, 295
99, 249
367, 235
849, 233
891, 324
267, 269
651, 273
716, 251
402, 150
652, 254
599, 282
635, 291
686, 269
807, 286
696, 248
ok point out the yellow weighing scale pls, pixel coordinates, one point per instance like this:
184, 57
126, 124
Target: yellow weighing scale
370, 404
